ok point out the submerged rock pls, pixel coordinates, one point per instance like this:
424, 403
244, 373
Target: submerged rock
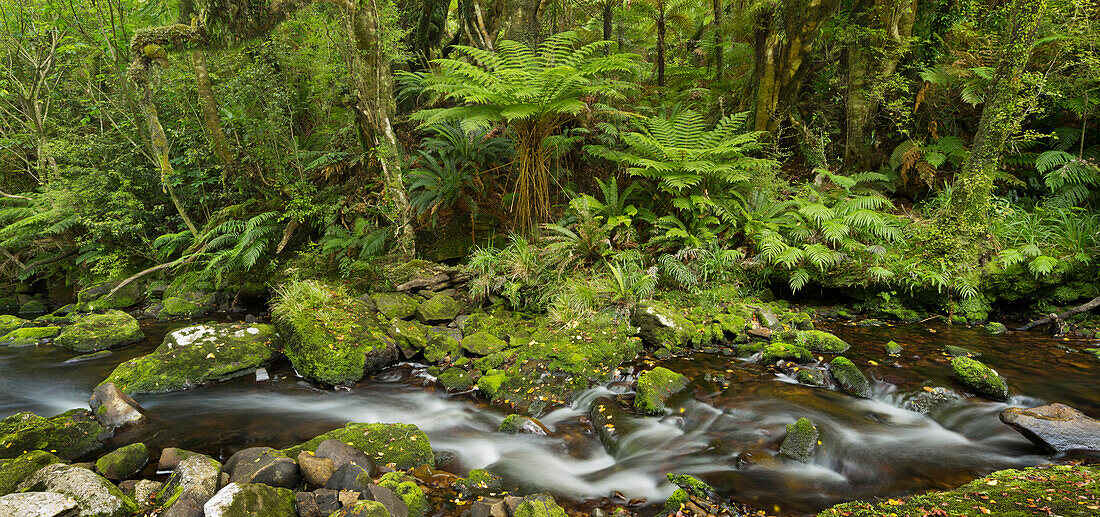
893, 348
980, 378
72, 434
1057, 428
38, 504
239, 500
123, 462
29, 336
94, 332
772, 353
197, 355
404, 445
655, 387
95, 496
800, 441
849, 378
520, 424
929, 398
15, 470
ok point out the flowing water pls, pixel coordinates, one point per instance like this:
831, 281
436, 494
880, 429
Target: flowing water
725, 432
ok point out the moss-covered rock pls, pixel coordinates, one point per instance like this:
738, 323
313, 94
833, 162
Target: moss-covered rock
95, 332
1066, 490
849, 378
193, 482
689, 487
478, 483
772, 353
521, 424
410, 336
9, 323
663, 326
980, 378
411, 493
958, 351
96, 496
123, 462
810, 376
994, 327
363, 509
800, 441
96, 298
404, 445
442, 345
483, 343
197, 355
816, 341
456, 378
29, 336
539, 508
248, 499
438, 309
490, 383
15, 470
395, 305
655, 387
893, 348
331, 337
69, 435
33, 308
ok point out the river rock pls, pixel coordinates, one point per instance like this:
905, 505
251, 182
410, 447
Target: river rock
315, 469
72, 434
772, 353
236, 500
980, 378
267, 468
29, 336
662, 326
488, 507
95, 496
363, 509
95, 298
411, 336
94, 332
191, 485
438, 309
929, 398
187, 305
113, 408
171, 457
521, 424
349, 476
404, 445
1057, 428
123, 462
478, 483
142, 491
817, 341
655, 387
483, 343
409, 491
197, 355
393, 504
811, 376
38, 504
800, 441
539, 508
14, 471
33, 307
319, 503
9, 323
849, 378
610, 421
341, 454
457, 379
395, 305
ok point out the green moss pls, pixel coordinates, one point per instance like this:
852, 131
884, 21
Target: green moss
655, 387
27, 336
197, 355
994, 327
329, 336
411, 336
493, 361
14, 471
439, 309
483, 343
489, 383
70, 435
664, 326
800, 441
253, 499
95, 332
410, 270
409, 492
817, 341
395, 305
892, 348
404, 445
123, 462
442, 345
980, 378
533, 508
1066, 490
515, 424
1094, 351
95, 298
9, 323
34, 307
811, 376
478, 483
500, 323
774, 352
958, 351
455, 378
849, 378
675, 502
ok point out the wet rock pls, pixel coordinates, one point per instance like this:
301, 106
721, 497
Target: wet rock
393, 504
442, 346
404, 445
96, 298
438, 309
695, 498
996, 328
72, 434
980, 378
237, 499
186, 306
349, 476
811, 376
94, 332
929, 398
191, 485
197, 355
319, 503
893, 348
316, 470
411, 336
123, 462
662, 326
171, 457
610, 422
363, 509
33, 307
144, 492
520, 424
113, 408
38, 504
655, 388
848, 377
958, 351
95, 496
488, 507
1057, 428
483, 343
9, 323
342, 453
408, 490
395, 305
800, 441
772, 353
478, 483
90, 357
14, 471
537, 508
816, 341
457, 379
29, 336
262, 465
768, 319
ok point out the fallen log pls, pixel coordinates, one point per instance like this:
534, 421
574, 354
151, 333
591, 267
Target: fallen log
1053, 318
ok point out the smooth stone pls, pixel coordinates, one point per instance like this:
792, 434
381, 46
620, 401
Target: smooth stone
1057, 428
93, 494
341, 453
113, 408
38, 504
393, 504
123, 462
196, 480
346, 477
319, 503
171, 457
489, 507
315, 469
276, 471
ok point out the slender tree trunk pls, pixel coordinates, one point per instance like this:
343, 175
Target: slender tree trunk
719, 62
1006, 103
210, 112
160, 151
608, 14
661, 42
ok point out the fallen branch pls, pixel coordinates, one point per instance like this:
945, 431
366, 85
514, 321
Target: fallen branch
13, 196
44, 262
1087, 306
178, 262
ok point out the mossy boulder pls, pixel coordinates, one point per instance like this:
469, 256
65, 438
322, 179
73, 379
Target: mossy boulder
410, 336
15, 470
363, 509
438, 309
95, 332
539, 508
33, 307
193, 482
96, 496
980, 378
456, 378
892, 348
198, 355
248, 499
661, 325
810, 376
442, 345
29, 336
329, 336
800, 441
395, 305
70, 435
994, 327
816, 341
403, 445
1066, 490
958, 351
411, 493
478, 483
9, 323
772, 353
96, 298
521, 424
849, 378
490, 383
123, 462
483, 343
655, 388
186, 305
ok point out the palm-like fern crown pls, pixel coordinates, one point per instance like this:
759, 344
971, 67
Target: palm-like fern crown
520, 83
682, 152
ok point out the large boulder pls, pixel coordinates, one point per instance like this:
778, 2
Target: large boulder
123, 462
363, 509
800, 441
96, 298
186, 305
197, 355
241, 500
9, 323
849, 378
38, 504
29, 336
15, 470
262, 465
395, 305
655, 387
331, 337
94, 332
71, 434
403, 445
438, 309
980, 378
113, 408
483, 343
662, 326
772, 353
817, 341
193, 482
95, 496
1057, 428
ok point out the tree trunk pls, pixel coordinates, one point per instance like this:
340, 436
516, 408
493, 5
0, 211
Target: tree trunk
521, 21
718, 58
608, 15
210, 112
661, 42
1006, 103
159, 143
870, 61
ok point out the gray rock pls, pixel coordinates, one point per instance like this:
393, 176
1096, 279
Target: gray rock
1057, 428
237, 499
196, 481
38, 504
145, 490
95, 496
393, 504
347, 476
341, 453
113, 408
268, 469
319, 503
123, 462
170, 457
489, 507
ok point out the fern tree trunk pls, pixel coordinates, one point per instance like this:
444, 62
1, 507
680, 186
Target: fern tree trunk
719, 62
1005, 106
661, 29
531, 201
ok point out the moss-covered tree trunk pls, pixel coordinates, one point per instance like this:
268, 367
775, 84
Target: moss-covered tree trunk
210, 115
719, 60
521, 21
1006, 102
870, 61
